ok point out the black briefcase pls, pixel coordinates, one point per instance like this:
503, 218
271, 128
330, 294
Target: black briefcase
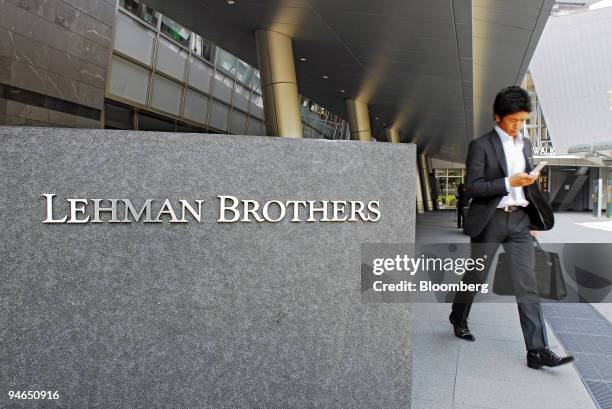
549, 274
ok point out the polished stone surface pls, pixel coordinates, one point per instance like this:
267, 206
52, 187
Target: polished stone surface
199, 315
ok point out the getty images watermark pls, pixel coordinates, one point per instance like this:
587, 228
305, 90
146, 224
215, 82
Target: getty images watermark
412, 265
563, 272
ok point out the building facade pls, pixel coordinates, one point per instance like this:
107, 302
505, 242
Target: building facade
123, 65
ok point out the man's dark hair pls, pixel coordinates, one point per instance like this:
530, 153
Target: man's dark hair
511, 100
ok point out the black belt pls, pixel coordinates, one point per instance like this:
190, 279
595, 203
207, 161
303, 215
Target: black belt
510, 209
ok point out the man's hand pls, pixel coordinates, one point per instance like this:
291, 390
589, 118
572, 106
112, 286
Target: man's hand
522, 179
533, 233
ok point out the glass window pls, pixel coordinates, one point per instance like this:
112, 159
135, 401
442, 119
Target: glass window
256, 82
151, 123
177, 32
226, 62
441, 189
196, 106
140, 10
245, 73
200, 74
447, 181
129, 80
252, 126
238, 122
166, 95
181, 127
185, 128
257, 107
197, 44
223, 87
134, 39
171, 59
262, 128
117, 117
241, 97
208, 52
219, 115
201, 47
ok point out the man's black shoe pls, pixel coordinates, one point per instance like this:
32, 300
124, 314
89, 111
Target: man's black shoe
461, 329
545, 357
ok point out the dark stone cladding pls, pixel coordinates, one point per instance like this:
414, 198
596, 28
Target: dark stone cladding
59, 49
24, 96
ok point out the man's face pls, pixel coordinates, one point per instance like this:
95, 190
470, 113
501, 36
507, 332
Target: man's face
512, 123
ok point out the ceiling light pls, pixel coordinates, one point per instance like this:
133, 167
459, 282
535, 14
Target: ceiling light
230, 2
325, 77
377, 118
342, 91
303, 59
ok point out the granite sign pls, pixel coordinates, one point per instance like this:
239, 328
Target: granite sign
166, 270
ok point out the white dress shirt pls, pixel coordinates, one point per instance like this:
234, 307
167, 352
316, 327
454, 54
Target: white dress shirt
515, 163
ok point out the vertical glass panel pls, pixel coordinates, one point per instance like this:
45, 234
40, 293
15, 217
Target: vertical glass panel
452, 183
176, 32
166, 95
140, 10
208, 51
226, 62
171, 59
256, 82
223, 87
244, 72
257, 108
129, 80
196, 106
252, 126
219, 115
262, 128
238, 122
134, 39
197, 44
241, 97
442, 192
200, 74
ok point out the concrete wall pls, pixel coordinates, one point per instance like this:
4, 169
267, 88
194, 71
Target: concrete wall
53, 61
572, 77
206, 315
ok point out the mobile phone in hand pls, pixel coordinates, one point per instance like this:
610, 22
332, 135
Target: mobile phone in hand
538, 168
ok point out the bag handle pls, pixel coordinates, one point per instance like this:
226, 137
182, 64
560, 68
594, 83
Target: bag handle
536, 243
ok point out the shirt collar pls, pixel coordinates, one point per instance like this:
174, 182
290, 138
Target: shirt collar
507, 138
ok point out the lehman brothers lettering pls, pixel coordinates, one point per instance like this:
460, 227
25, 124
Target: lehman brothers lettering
231, 210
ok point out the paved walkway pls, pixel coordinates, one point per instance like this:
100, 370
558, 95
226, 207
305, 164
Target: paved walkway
490, 373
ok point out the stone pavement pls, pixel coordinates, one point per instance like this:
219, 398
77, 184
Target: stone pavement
491, 373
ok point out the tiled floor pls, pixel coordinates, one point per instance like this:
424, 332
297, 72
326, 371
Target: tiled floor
491, 373
586, 334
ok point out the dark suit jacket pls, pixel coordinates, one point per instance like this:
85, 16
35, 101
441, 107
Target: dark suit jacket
485, 173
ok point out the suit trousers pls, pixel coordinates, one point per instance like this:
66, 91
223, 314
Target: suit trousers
512, 231
460, 220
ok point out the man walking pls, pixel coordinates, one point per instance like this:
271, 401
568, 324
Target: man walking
505, 206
